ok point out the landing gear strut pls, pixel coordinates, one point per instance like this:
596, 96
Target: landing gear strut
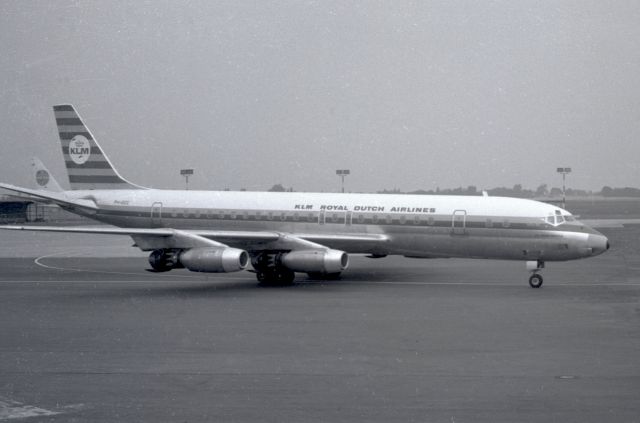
535, 280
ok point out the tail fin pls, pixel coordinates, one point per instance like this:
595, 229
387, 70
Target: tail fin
43, 178
87, 166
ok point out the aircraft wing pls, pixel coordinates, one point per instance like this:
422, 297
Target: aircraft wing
154, 238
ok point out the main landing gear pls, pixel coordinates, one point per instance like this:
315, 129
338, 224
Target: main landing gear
269, 271
535, 280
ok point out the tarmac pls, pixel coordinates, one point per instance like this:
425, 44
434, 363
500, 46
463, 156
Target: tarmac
86, 334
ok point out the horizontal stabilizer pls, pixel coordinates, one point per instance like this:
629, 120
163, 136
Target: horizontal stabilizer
56, 197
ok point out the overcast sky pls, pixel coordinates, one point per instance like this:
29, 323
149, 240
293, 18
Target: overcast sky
406, 95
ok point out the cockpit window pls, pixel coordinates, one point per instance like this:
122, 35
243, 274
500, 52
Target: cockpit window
558, 218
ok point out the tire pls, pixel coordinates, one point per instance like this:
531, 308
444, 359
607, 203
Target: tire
535, 281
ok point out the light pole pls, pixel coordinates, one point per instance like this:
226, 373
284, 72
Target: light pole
186, 173
342, 173
564, 171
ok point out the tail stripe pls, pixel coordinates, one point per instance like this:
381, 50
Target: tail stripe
93, 172
73, 129
94, 179
88, 165
73, 121
68, 135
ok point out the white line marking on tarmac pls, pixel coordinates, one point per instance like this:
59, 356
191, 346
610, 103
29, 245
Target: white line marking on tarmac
10, 409
37, 261
108, 272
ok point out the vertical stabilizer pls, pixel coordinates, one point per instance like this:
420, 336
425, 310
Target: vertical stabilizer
44, 180
87, 165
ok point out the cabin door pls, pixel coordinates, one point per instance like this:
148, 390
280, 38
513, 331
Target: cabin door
459, 222
156, 214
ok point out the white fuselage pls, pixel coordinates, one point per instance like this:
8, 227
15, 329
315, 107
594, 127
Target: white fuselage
427, 226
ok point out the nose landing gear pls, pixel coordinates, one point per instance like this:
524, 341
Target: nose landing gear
535, 280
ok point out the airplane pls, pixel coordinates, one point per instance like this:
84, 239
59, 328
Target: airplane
281, 233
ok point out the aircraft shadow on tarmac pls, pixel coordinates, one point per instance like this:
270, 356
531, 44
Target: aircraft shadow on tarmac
217, 286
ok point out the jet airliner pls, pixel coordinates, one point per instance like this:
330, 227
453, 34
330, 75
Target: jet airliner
279, 234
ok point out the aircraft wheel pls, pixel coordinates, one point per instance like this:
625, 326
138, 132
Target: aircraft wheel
535, 281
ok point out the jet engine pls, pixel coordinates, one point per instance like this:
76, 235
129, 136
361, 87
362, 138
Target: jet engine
214, 260
321, 261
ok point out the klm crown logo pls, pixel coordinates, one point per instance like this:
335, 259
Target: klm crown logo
79, 149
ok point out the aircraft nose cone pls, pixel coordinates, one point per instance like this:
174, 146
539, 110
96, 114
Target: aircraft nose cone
598, 244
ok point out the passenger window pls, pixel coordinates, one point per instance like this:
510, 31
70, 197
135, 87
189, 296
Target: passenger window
311, 217
489, 223
375, 218
416, 219
360, 218
431, 221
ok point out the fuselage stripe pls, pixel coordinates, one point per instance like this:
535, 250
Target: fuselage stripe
93, 179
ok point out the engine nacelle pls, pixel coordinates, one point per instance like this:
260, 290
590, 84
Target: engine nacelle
214, 260
322, 261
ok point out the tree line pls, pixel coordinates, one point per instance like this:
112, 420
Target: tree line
517, 191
